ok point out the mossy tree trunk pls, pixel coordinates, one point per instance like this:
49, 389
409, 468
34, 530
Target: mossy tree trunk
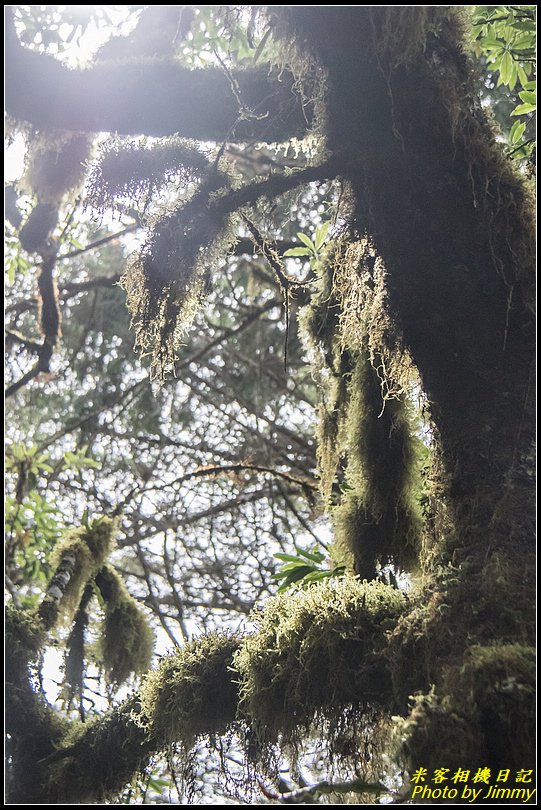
453, 225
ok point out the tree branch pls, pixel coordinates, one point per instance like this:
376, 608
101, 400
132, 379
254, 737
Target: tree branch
307, 794
335, 651
45, 354
26, 342
99, 242
158, 97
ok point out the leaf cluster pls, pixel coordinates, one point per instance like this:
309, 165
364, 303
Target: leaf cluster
505, 37
305, 568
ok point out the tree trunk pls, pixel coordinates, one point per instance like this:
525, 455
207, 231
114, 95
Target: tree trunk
453, 224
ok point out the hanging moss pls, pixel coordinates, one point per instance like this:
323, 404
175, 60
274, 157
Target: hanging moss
127, 641
318, 323
56, 164
166, 284
135, 169
314, 653
80, 554
400, 33
74, 659
365, 432
378, 519
192, 692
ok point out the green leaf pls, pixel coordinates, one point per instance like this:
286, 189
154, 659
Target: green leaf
294, 566
317, 576
492, 44
321, 234
286, 557
514, 76
528, 96
307, 241
293, 577
524, 43
298, 251
523, 76
315, 556
517, 131
526, 25
11, 269
506, 67
522, 109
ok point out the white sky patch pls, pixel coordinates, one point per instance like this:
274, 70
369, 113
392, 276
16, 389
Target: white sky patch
14, 159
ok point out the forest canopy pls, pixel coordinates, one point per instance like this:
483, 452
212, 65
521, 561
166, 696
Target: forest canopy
270, 353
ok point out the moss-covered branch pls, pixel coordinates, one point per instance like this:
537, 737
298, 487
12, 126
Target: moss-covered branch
77, 559
167, 282
150, 96
324, 659
314, 654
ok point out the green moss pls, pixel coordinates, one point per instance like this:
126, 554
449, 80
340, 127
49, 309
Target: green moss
501, 680
98, 758
86, 550
192, 692
167, 283
400, 33
127, 641
378, 519
316, 652
24, 636
367, 449
433, 733
483, 713
318, 323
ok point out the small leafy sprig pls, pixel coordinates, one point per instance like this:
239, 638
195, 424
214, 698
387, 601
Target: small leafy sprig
310, 249
304, 569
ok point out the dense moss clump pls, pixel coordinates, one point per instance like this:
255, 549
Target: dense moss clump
316, 652
481, 715
24, 634
192, 692
98, 758
127, 641
56, 165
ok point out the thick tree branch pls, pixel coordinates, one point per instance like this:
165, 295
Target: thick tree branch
155, 97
